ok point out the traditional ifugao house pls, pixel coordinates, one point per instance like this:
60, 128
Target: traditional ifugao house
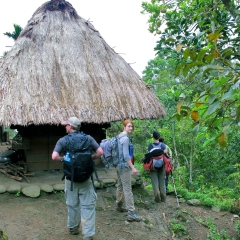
60, 66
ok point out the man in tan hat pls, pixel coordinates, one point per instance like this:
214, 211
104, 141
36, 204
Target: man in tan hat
81, 199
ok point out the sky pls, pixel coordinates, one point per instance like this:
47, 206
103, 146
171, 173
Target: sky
119, 22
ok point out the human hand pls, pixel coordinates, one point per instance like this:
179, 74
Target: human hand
134, 171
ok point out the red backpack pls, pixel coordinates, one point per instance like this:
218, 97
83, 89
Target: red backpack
167, 163
157, 162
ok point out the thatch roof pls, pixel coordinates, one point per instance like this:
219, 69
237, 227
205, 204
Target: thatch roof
60, 66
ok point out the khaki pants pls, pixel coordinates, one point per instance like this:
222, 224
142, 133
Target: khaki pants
124, 189
81, 203
158, 184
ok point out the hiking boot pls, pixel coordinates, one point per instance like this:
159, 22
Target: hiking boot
132, 216
157, 199
74, 231
120, 208
163, 198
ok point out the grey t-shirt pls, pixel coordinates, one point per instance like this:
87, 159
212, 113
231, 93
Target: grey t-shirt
61, 143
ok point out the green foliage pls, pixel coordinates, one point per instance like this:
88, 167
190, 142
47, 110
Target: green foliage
215, 171
235, 177
209, 198
178, 228
236, 206
238, 227
214, 233
14, 35
205, 37
149, 187
11, 132
18, 194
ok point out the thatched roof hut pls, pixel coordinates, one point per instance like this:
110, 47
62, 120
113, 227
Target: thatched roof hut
60, 66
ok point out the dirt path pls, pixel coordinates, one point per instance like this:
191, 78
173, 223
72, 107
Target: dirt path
44, 218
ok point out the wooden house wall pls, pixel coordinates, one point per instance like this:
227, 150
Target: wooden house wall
39, 156
42, 140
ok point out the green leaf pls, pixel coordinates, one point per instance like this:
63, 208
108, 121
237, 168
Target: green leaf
179, 105
226, 129
202, 93
180, 66
193, 55
195, 130
212, 84
238, 114
186, 53
186, 108
193, 75
201, 54
207, 68
170, 40
227, 95
194, 64
209, 57
228, 52
217, 122
176, 116
223, 140
185, 70
209, 141
213, 107
212, 98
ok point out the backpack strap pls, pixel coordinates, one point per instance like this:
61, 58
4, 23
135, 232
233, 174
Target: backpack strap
157, 146
119, 144
96, 178
72, 167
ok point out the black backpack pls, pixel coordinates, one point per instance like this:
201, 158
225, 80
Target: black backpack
81, 166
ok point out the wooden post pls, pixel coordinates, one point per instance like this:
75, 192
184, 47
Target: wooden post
1, 133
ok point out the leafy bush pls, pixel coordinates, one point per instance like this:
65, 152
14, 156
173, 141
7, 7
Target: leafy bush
215, 172
206, 199
178, 228
238, 227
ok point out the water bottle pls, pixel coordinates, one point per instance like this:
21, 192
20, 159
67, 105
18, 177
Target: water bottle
131, 152
67, 157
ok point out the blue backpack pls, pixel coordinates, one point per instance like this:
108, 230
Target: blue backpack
112, 152
111, 156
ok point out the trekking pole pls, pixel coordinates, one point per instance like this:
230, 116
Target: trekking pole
175, 190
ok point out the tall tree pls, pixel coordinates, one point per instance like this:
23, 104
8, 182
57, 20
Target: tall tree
205, 35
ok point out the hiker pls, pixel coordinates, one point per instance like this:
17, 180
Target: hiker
124, 169
158, 176
81, 201
169, 152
